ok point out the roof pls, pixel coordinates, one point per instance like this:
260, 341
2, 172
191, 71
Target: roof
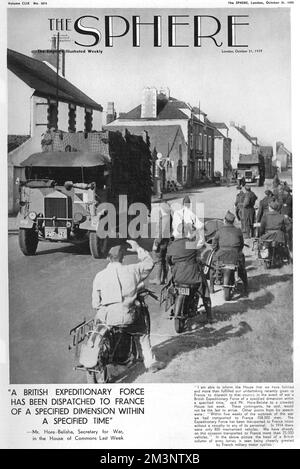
66, 159
246, 135
218, 133
252, 158
14, 141
43, 80
220, 125
162, 138
166, 109
281, 148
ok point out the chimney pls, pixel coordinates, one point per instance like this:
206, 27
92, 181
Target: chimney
149, 103
50, 56
243, 127
232, 124
165, 92
110, 115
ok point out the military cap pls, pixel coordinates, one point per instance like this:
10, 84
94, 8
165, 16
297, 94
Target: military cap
229, 217
274, 205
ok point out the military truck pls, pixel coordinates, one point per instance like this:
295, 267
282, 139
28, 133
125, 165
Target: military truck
251, 169
63, 191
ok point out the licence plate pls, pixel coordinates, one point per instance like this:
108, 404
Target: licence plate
183, 291
56, 233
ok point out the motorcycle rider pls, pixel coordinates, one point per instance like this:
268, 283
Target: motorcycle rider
186, 217
274, 226
183, 255
228, 244
114, 293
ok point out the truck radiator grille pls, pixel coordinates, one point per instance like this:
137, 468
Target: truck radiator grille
59, 208
248, 174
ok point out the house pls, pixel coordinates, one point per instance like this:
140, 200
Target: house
193, 149
241, 143
169, 141
55, 105
222, 156
283, 157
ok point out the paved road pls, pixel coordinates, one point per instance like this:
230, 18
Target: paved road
51, 292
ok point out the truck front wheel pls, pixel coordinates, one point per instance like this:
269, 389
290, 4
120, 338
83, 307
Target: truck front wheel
28, 241
98, 246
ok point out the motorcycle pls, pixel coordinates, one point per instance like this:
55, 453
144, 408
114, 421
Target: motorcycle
272, 253
98, 345
224, 274
183, 301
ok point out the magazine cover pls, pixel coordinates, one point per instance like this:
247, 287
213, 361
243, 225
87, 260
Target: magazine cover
147, 226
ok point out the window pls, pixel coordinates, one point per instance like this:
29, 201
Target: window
200, 142
205, 143
209, 144
191, 141
184, 173
180, 151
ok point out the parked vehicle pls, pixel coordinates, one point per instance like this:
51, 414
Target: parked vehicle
63, 195
251, 169
102, 345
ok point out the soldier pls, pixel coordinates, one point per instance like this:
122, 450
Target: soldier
274, 225
264, 205
249, 211
161, 242
287, 202
228, 244
239, 201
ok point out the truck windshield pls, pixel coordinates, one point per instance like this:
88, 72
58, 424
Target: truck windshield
61, 175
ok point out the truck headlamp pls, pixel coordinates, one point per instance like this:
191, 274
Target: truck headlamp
78, 217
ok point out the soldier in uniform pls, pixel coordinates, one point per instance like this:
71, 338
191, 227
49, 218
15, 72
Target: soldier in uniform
249, 211
161, 241
264, 205
287, 202
239, 201
275, 226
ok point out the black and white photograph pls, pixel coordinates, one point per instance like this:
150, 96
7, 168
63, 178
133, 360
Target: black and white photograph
150, 191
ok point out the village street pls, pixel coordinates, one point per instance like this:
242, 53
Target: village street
51, 292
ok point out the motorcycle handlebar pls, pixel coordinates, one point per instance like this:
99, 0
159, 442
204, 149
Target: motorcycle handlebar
146, 292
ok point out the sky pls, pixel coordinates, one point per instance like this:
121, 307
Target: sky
251, 88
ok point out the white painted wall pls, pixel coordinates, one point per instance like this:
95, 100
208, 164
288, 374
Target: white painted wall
97, 120
79, 118
239, 144
63, 116
218, 161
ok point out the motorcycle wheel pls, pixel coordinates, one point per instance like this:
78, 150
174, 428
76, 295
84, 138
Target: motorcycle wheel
207, 307
179, 309
267, 264
228, 281
179, 325
227, 293
99, 376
